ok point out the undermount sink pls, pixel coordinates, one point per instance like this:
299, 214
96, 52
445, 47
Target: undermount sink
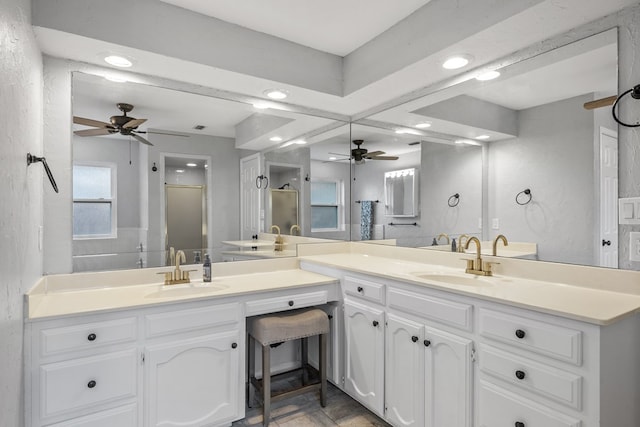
455, 279
168, 291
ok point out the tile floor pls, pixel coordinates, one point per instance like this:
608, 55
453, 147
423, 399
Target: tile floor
305, 410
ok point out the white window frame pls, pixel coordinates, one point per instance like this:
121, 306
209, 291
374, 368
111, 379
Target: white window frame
113, 201
340, 205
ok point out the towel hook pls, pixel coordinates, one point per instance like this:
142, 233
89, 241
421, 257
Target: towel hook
33, 159
454, 200
526, 192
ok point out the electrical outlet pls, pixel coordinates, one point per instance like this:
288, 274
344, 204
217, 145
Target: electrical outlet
495, 223
634, 246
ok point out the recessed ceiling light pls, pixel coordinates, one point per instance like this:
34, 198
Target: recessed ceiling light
275, 139
192, 165
115, 79
118, 61
179, 170
482, 137
455, 62
261, 105
300, 142
401, 131
333, 158
490, 75
466, 141
276, 93
423, 125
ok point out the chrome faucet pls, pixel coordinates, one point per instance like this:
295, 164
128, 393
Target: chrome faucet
278, 241
477, 266
495, 243
462, 242
294, 227
445, 236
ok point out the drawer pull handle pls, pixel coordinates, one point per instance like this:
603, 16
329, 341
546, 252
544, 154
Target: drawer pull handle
519, 424
520, 375
414, 338
360, 289
92, 337
375, 323
427, 343
520, 333
291, 303
234, 345
91, 384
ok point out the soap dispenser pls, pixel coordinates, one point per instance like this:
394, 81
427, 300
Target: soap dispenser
454, 247
206, 269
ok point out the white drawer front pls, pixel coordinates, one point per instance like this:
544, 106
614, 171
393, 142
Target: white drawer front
544, 380
126, 416
544, 338
171, 322
87, 336
364, 289
289, 302
499, 408
81, 383
438, 309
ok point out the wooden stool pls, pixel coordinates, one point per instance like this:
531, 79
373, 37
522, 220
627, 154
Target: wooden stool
275, 329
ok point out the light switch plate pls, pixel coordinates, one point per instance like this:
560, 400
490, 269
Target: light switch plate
634, 246
629, 210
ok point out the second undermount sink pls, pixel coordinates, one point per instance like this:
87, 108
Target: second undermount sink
187, 289
455, 279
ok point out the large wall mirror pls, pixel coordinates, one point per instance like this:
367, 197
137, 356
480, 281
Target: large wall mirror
184, 190
549, 167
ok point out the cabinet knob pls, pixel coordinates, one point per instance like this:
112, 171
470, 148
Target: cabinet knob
414, 338
92, 337
520, 375
520, 333
375, 323
360, 289
291, 303
519, 424
91, 384
234, 345
427, 343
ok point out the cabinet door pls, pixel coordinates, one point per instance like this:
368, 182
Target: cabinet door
404, 372
448, 379
194, 382
364, 371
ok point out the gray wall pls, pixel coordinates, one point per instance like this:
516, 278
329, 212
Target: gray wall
22, 188
556, 138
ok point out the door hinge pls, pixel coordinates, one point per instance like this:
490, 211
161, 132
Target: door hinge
473, 355
342, 380
142, 357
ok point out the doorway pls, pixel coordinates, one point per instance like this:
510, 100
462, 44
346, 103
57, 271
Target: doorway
608, 242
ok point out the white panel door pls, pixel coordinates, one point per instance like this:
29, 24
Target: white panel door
193, 382
448, 379
364, 358
404, 372
251, 195
608, 198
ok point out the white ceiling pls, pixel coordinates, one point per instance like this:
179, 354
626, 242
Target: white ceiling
334, 26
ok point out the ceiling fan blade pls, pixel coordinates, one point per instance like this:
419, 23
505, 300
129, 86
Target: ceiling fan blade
340, 154
93, 132
133, 123
375, 153
184, 135
141, 139
90, 122
383, 158
603, 102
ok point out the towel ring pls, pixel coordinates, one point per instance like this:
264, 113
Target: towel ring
454, 200
260, 179
526, 192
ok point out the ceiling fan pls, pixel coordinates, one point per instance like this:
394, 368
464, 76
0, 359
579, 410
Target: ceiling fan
359, 154
124, 125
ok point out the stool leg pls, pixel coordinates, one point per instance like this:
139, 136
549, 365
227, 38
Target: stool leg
323, 369
305, 362
266, 384
251, 369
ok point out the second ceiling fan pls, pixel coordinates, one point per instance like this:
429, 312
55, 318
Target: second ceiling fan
359, 154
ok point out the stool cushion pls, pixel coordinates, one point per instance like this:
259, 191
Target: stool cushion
288, 326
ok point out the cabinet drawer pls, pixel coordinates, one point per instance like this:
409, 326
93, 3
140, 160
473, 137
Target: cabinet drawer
171, 322
499, 408
364, 289
126, 416
438, 309
87, 336
81, 383
550, 340
288, 302
551, 383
